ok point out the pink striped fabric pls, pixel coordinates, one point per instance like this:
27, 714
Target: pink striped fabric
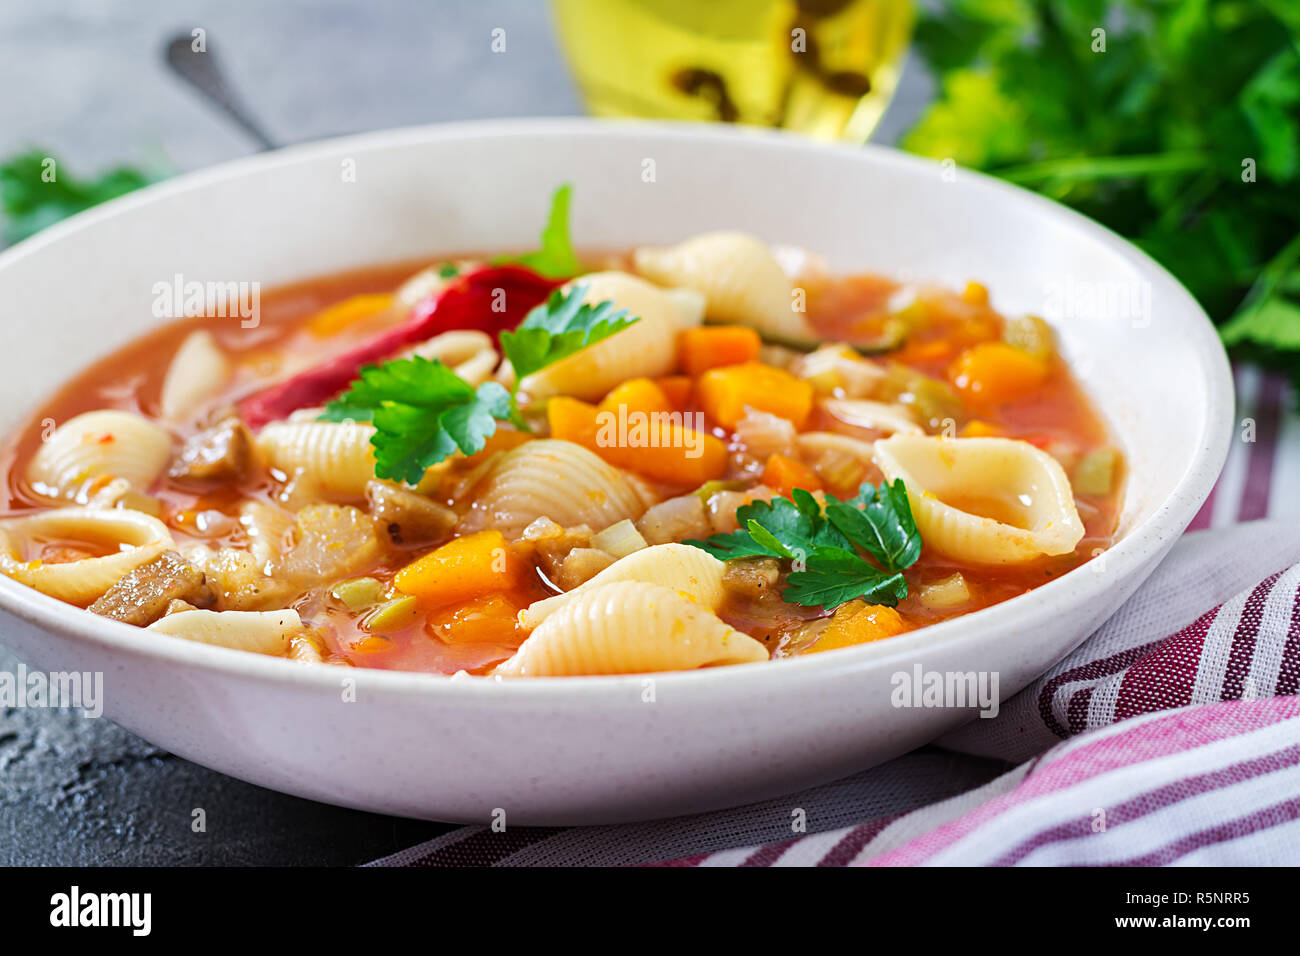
1172, 735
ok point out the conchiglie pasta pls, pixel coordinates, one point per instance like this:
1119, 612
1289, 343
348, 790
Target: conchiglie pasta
561, 481
196, 375
630, 627
335, 457
99, 444
984, 500
646, 348
262, 632
681, 567
740, 279
140, 538
467, 352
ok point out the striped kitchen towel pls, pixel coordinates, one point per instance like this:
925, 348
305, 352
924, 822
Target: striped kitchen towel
1171, 736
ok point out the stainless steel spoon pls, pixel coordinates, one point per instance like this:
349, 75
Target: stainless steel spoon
202, 71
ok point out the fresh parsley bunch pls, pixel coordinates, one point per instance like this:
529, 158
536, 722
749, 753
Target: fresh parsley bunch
1177, 125
36, 191
423, 411
823, 544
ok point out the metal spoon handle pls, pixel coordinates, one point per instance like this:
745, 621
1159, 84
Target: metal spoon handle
201, 71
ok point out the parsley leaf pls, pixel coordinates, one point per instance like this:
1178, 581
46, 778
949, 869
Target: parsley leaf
35, 192
564, 324
884, 526
822, 544
833, 576
736, 544
556, 258
790, 529
422, 412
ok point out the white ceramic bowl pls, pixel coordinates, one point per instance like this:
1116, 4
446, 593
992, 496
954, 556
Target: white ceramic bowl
589, 750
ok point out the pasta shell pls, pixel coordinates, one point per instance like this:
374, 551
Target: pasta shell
557, 480
262, 632
467, 352
740, 279
630, 627
645, 348
681, 567
81, 582
334, 457
984, 500
106, 443
197, 374
478, 368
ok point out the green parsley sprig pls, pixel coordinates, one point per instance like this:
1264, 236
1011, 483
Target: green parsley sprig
822, 543
36, 192
556, 258
565, 324
1176, 124
423, 411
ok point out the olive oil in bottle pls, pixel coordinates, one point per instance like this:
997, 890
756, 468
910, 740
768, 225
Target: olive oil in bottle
826, 68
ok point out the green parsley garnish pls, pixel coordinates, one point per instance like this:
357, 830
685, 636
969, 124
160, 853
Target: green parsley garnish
556, 258
423, 411
564, 324
1175, 124
822, 544
36, 192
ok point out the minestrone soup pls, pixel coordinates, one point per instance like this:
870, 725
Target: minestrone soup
671, 458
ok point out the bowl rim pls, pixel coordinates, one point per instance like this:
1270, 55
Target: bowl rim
1078, 586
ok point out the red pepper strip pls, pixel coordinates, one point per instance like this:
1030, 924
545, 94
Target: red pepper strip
491, 299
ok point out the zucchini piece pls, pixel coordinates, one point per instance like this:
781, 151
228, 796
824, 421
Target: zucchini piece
1030, 334
1095, 472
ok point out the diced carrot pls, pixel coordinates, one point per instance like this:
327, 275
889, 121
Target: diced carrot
573, 420
492, 619
335, 318
677, 389
859, 623
712, 346
993, 372
657, 445
724, 393
976, 293
462, 569
684, 456
931, 351
637, 395
786, 474
976, 428
373, 644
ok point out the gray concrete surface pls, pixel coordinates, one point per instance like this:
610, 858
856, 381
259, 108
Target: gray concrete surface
85, 79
